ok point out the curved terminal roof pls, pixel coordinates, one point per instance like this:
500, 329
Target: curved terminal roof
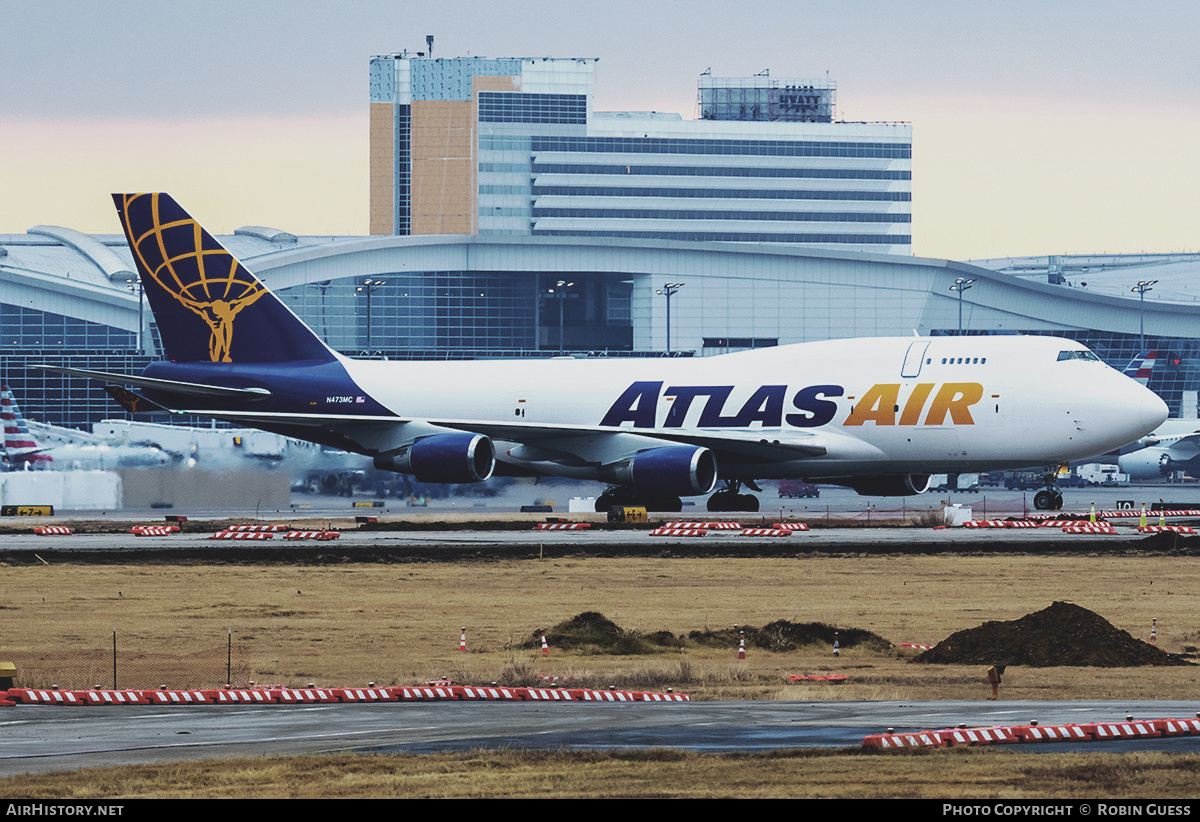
793, 293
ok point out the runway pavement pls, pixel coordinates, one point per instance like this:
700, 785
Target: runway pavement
41, 739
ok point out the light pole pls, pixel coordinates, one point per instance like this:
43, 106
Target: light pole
960, 285
366, 288
136, 285
561, 294
1140, 289
667, 290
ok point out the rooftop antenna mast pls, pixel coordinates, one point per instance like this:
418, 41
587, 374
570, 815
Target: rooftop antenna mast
429, 44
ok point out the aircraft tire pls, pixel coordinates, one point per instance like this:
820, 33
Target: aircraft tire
1043, 500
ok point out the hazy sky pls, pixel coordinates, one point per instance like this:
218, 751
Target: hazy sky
1038, 127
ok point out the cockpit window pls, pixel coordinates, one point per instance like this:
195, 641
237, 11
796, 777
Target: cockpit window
1077, 355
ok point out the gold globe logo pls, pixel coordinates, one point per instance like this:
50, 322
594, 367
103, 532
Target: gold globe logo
207, 281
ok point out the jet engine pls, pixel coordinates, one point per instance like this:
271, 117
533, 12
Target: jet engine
677, 470
887, 485
1147, 464
455, 457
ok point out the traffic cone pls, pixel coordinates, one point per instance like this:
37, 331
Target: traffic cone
1142, 521
1153, 630
545, 647
836, 646
1092, 515
462, 643
742, 648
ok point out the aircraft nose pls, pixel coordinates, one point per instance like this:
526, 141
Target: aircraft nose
1153, 411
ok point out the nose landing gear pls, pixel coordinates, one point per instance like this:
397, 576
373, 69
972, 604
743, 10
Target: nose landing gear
1049, 498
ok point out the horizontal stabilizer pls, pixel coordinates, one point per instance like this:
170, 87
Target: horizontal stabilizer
172, 386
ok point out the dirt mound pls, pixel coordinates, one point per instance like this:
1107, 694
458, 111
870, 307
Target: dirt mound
782, 635
1063, 634
591, 632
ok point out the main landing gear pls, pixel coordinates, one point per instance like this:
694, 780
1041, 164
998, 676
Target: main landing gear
619, 496
728, 498
1049, 498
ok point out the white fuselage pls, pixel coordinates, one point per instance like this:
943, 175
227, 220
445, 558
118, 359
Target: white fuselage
882, 405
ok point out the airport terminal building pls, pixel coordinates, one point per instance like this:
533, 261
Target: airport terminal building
542, 228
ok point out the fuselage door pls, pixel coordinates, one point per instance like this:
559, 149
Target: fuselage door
913, 359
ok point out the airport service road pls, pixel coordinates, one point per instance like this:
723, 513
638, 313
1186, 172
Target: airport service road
41, 739
465, 544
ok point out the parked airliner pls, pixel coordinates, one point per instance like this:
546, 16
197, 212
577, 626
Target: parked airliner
878, 415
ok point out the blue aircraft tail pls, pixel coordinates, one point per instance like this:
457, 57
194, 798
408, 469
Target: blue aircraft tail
208, 307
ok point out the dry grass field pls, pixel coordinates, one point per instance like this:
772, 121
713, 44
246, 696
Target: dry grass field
350, 623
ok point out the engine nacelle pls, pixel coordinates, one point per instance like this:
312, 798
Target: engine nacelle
887, 485
455, 457
1146, 464
676, 470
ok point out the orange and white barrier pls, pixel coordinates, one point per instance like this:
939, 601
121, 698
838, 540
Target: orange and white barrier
791, 526
153, 530
678, 532
1033, 732
52, 530
251, 535
562, 526
267, 529
766, 532
707, 526
318, 535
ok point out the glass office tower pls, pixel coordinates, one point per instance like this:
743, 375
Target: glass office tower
512, 146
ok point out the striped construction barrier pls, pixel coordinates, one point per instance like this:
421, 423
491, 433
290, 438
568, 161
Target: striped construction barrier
836, 679
175, 697
791, 526
302, 696
562, 526
766, 532
979, 736
1158, 529
1109, 731
103, 697
258, 529
1090, 528
239, 696
317, 535
678, 532
1033, 732
917, 739
154, 530
1177, 727
706, 526
984, 523
1052, 733
364, 695
915, 645
251, 535
40, 696
52, 530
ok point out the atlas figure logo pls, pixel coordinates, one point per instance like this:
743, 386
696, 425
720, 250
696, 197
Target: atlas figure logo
209, 282
815, 405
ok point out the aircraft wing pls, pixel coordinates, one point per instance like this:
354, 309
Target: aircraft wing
173, 386
590, 444
1185, 447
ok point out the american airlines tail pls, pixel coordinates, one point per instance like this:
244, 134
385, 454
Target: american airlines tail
20, 446
1141, 366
